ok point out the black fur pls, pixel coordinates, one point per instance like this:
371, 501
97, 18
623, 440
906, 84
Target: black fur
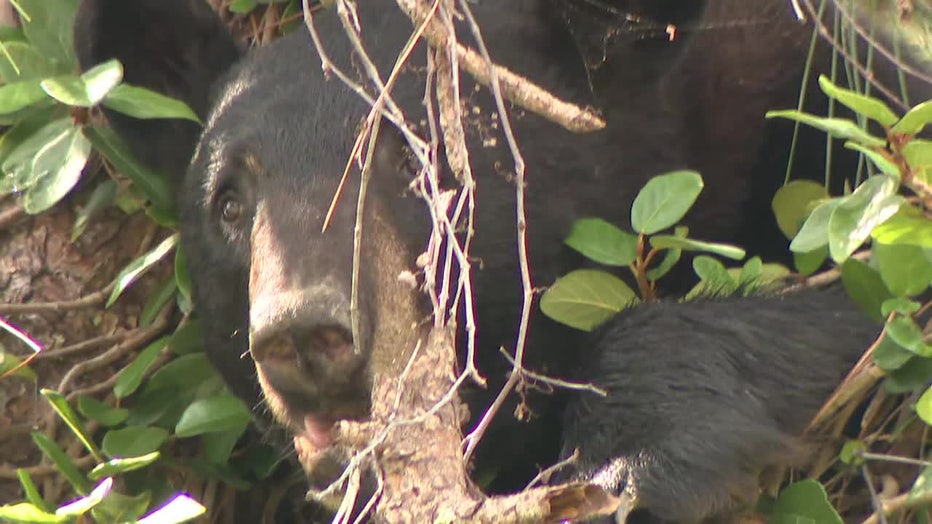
705, 395
278, 134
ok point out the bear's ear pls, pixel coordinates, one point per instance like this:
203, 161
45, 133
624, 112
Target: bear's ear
175, 47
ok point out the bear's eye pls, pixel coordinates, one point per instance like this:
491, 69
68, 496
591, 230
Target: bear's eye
231, 209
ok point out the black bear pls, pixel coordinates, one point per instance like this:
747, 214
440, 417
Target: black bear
277, 134
705, 396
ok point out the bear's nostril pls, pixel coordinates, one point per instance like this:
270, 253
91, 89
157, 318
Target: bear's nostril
330, 341
280, 347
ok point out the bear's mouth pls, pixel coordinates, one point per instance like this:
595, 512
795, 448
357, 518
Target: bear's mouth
312, 379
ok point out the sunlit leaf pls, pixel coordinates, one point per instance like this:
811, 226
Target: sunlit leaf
836, 127
217, 413
115, 467
585, 298
664, 200
602, 242
853, 219
138, 267
133, 441
19, 95
915, 119
143, 103
688, 244
131, 376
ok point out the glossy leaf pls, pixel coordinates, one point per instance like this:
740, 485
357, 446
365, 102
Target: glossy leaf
48, 27
853, 219
115, 467
907, 226
664, 201
878, 157
84, 504
21, 61
836, 127
865, 287
915, 119
67, 89
688, 244
924, 406
217, 413
138, 267
133, 441
143, 103
131, 376
865, 105
63, 463
602, 242
101, 79
26, 512
804, 501
904, 268
63, 410
585, 298
181, 508
19, 95
106, 414
814, 232
793, 202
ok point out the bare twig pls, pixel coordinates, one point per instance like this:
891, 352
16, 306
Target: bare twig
518, 89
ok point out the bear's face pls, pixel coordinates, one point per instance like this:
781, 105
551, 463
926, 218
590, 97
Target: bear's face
255, 201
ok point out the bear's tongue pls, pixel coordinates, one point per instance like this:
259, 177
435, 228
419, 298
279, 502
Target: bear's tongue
316, 432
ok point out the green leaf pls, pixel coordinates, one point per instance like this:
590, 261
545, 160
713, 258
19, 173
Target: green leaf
31, 491
188, 338
182, 508
101, 198
217, 446
865, 287
907, 226
143, 103
915, 119
585, 298
924, 406
219, 413
923, 482
670, 257
21, 61
33, 119
688, 244
115, 467
49, 28
182, 277
901, 305
67, 89
242, 6
48, 165
154, 186
912, 376
836, 127
131, 377
84, 504
715, 280
853, 219
133, 441
884, 164
664, 201
862, 104
159, 297
804, 501
851, 452
602, 242
138, 267
906, 333
889, 356
172, 387
94, 409
62, 461
19, 95
904, 268
101, 79
64, 412
793, 202
814, 233
809, 262
123, 508
918, 155
26, 512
